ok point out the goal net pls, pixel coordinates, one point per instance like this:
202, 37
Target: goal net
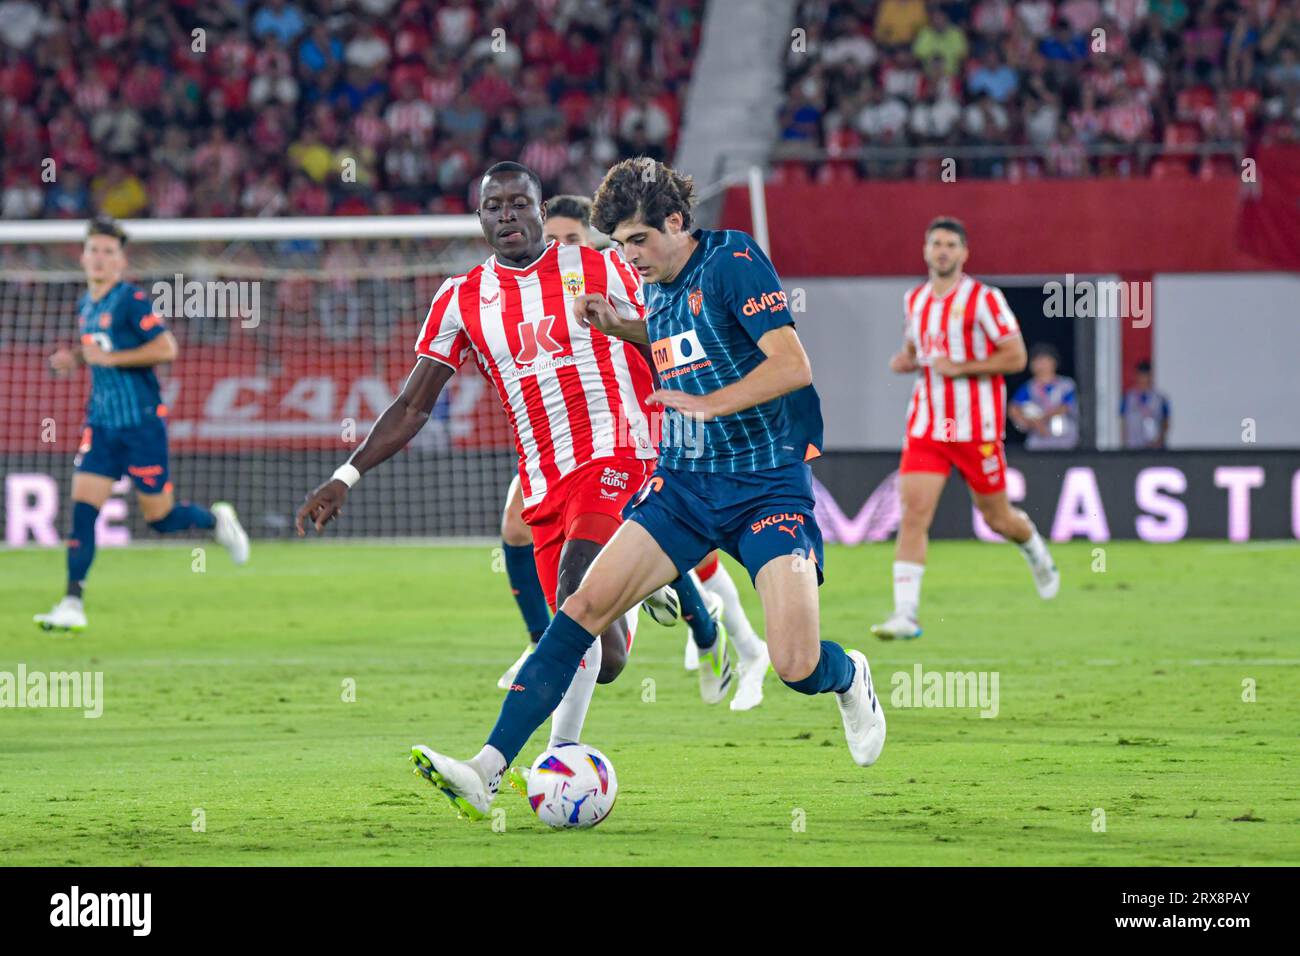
294, 335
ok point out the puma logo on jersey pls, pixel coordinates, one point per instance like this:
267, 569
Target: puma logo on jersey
787, 530
742, 255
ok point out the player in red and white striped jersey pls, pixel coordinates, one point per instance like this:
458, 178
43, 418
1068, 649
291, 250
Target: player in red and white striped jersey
576, 399
960, 338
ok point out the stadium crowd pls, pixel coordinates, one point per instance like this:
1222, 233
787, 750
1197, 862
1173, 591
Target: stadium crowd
1071, 88
173, 108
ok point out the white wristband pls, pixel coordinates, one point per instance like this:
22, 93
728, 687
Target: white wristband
347, 474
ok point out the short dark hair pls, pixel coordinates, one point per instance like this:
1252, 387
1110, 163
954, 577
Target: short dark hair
570, 207
507, 167
106, 226
645, 190
1041, 349
950, 223
1144, 366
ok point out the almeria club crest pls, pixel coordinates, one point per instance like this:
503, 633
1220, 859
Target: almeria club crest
696, 301
534, 338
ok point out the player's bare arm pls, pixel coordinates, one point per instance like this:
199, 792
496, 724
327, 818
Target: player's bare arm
157, 351
400, 422
594, 310
785, 369
904, 361
1008, 357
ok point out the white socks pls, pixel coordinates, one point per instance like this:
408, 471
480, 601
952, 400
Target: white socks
490, 764
1034, 550
566, 721
907, 588
741, 632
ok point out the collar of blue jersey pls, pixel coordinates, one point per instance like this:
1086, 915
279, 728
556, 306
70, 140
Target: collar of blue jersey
700, 251
113, 288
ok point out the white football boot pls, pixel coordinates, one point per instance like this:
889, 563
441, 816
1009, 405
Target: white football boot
863, 715
1046, 578
512, 672
749, 688
898, 627
459, 782
229, 532
715, 670
67, 615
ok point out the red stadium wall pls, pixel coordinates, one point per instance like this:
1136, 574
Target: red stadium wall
1037, 227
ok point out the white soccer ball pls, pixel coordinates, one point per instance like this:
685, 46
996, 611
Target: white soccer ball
663, 606
572, 786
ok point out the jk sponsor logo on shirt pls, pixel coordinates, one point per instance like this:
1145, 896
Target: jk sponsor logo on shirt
679, 354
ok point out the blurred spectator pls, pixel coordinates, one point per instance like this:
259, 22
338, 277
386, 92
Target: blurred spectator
1046, 407
1144, 412
899, 21
279, 19
421, 95
119, 193
941, 38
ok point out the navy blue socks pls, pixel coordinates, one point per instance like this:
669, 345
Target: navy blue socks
184, 516
833, 673
695, 612
521, 569
540, 684
81, 545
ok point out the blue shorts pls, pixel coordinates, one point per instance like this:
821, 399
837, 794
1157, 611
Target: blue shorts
139, 451
754, 516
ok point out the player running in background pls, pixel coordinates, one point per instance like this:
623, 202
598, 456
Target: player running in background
568, 221
122, 340
734, 376
961, 338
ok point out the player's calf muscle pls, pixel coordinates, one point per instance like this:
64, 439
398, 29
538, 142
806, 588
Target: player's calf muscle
576, 558
788, 590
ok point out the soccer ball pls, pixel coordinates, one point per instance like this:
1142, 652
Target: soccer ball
572, 786
664, 606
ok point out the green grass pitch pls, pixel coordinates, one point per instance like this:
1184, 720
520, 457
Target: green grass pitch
224, 707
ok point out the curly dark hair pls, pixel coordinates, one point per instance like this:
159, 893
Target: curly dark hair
644, 190
570, 207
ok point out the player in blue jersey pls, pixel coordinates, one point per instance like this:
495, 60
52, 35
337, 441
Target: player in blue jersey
742, 422
122, 340
568, 221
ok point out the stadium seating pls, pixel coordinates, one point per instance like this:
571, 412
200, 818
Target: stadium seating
1132, 74
171, 110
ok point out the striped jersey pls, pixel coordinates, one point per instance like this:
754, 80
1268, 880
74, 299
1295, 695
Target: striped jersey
704, 328
965, 325
571, 393
123, 318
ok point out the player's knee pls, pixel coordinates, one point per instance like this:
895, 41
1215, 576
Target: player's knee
613, 656
514, 532
915, 512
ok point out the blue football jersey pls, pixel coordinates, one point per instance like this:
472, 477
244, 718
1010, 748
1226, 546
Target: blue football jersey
122, 319
704, 328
